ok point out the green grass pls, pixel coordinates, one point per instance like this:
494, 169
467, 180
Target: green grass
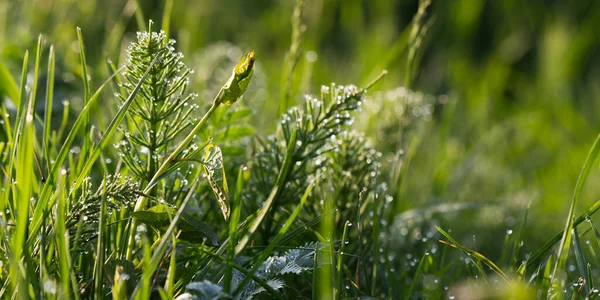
164, 164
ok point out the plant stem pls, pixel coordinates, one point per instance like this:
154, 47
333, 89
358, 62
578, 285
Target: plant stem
141, 201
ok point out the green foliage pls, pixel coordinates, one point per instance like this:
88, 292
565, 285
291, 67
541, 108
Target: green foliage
160, 217
447, 186
162, 108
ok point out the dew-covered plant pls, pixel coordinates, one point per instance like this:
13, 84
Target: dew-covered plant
271, 274
317, 124
162, 109
193, 203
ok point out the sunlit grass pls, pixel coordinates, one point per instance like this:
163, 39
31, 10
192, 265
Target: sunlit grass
379, 190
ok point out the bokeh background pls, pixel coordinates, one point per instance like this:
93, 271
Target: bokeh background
515, 87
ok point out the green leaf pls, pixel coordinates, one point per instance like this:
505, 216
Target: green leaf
8, 86
156, 216
159, 217
234, 132
213, 167
238, 114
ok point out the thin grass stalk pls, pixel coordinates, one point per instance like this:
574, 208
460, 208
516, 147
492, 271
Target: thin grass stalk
233, 229
100, 247
279, 182
277, 239
87, 125
340, 258
151, 262
48, 109
43, 201
292, 57
166, 17
62, 242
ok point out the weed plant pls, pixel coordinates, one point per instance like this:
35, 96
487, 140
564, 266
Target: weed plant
176, 196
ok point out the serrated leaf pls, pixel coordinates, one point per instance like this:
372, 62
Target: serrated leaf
159, 217
215, 172
204, 290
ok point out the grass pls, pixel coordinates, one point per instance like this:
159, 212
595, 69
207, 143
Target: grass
130, 184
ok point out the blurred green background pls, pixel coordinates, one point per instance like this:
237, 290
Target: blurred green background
523, 79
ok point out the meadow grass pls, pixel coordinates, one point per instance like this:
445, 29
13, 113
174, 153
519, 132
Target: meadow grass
147, 192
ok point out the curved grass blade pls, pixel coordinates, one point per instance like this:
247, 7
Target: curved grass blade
580, 259
277, 239
43, 200
471, 254
537, 256
279, 182
565, 243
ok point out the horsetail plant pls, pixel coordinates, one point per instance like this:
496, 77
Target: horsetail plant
161, 112
161, 109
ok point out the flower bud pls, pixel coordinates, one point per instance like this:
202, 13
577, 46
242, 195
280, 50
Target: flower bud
238, 82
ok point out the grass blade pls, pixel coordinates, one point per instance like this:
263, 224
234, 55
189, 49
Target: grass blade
87, 142
580, 259
152, 263
24, 177
62, 242
233, 228
41, 206
535, 259
471, 254
565, 243
48, 108
110, 130
277, 239
100, 246
280, 181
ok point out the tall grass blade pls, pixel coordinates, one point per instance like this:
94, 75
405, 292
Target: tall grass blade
111, 129
48, 109
100, 246
535, 259
87, 141
277, 239
580, 258
280, 181
24, 142
41, 207
62, 242
233, 228
565, 243
154, 260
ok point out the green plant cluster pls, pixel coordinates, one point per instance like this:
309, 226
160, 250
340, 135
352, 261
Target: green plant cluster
150, 191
